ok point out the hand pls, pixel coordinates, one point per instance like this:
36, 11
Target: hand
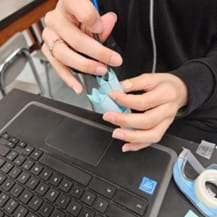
164, 94
74, 22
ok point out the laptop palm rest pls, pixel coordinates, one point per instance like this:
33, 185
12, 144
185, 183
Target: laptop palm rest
80, 141
87, 146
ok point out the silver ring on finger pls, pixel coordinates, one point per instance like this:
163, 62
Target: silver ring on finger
52, 45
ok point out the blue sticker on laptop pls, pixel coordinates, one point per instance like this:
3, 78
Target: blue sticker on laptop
148, 185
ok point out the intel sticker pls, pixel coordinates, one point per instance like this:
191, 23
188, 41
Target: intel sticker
148, 185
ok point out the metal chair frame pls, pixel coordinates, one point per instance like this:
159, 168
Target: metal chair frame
46, 65
11, 59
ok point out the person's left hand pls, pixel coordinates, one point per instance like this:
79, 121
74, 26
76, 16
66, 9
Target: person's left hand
164, 94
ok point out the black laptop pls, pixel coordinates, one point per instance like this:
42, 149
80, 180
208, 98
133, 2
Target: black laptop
58, 164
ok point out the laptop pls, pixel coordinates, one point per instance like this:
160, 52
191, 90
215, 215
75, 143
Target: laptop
58, 164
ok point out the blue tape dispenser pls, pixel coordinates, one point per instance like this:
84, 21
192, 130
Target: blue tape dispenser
200, 190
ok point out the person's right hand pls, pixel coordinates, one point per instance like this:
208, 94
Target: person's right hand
74, 22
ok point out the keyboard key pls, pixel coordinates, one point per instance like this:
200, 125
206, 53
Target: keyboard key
1, 214
20, 212
74, 208
11, 144
22, 144
115, 211
2, 178
16, 190
19, 160
52, 195
23, 178
10, 206
31, 215
7, 167
131, 202
65, 185
35, 203
26, 196
36, 154
28, 150
15, 172
37, 169
46, 210
55, 179
28, 164
88, 198
100, 205
102, 188
42, 189
46, 173
62, 201
3, 149
87, 213
3, 199
12, 155
5, 136
77, 191
2, 162
32, 183
72, 172
7, 185
14, 140
57, 213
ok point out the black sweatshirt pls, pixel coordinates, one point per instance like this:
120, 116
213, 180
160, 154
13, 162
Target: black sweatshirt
186, 40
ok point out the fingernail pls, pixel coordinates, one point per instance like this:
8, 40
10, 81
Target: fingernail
98, 26
108, 117
114, 15
118, 135
125, 149
116, 60
78, 90
101, 70
114, 94
111, 94
127, 84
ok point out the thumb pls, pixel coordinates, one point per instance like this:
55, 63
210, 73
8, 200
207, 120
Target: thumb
145, 82
109, 19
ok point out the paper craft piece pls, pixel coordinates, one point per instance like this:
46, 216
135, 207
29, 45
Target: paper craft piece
100, 98
191, 214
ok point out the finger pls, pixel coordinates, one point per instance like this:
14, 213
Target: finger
85, 13
142, 82
63, 71
146, 120
153, 135
70, 58
134, 147
161, 94
81, 42
108, 21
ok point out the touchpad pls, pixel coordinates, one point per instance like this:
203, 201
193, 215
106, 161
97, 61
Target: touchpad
79, 140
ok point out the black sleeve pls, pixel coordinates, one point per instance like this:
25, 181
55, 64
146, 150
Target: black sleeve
200, 76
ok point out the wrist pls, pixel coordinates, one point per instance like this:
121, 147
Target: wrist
181, 91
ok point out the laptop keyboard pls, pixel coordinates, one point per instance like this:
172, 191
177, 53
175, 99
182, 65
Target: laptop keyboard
34, 184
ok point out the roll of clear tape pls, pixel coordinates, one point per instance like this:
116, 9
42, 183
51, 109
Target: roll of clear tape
201, 190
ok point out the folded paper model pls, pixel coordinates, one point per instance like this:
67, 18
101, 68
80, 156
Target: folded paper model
100, 98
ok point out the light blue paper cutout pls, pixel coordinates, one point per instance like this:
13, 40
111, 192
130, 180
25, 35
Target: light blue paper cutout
191, 214
100, 98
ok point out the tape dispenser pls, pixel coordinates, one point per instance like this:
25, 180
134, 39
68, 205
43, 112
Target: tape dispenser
200, 191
